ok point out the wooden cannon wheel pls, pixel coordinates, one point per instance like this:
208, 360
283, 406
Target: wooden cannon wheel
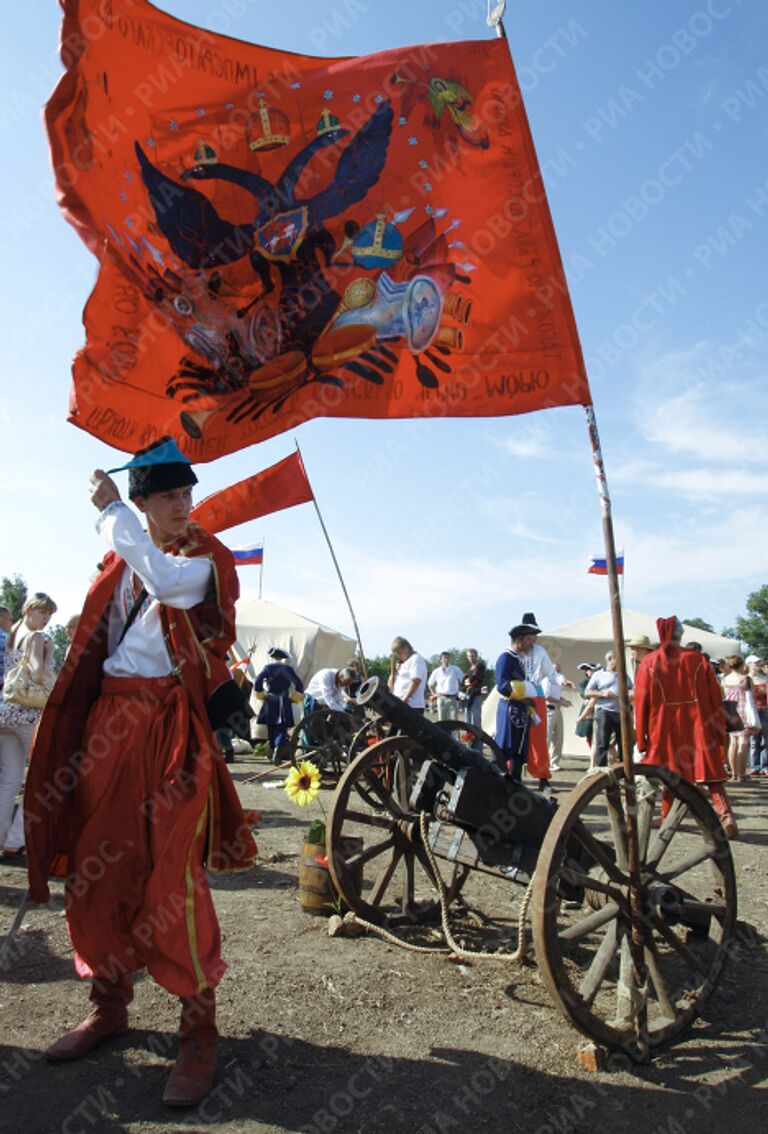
581, 913
374, 848
323, 737
461, 729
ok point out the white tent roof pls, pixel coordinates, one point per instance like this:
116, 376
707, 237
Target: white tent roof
261, 624
595, 634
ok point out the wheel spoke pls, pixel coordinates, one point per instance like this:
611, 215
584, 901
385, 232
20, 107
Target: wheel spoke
369, 819
599, 853
687, 863
409, 893
385, 877
679, 946
588, 924
618, 821
660, 985
666, 832
370, 852
576, 878
595, 974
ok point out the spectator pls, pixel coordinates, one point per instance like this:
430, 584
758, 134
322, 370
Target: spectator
695, 646
758, 762
555, 731
408, 674
585, 722
603, 689
638, 648
6, 625
445, 683
737, 688
17, 722
473, 687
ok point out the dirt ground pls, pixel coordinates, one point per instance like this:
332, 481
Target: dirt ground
326, 1035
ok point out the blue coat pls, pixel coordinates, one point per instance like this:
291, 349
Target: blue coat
512, 717
276, 678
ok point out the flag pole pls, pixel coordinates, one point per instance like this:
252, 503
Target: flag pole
637, 938
261, 569
338, 569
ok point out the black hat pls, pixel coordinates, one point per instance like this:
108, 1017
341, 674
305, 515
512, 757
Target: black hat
158, 468
527, 626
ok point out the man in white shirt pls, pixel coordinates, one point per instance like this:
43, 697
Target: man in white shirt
445, 682
408, 674
326, 689
130, 723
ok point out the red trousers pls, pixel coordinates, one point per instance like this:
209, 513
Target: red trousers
137, 893
717, 794
538, 753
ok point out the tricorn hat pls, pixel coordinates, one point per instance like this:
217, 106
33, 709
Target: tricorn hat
527, 626
587, 666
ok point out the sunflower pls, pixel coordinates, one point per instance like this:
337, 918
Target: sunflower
302, 784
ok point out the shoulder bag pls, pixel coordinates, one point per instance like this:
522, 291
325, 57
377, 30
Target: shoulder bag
20, 689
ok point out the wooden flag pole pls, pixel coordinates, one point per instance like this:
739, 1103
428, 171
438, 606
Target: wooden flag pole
261, 569
637, 938
338, 570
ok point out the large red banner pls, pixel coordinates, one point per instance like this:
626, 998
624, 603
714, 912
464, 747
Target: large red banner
282, 237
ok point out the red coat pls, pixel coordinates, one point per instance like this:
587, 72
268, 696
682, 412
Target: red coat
198, 641
679, 718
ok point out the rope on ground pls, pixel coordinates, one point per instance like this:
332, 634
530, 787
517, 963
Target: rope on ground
454, 949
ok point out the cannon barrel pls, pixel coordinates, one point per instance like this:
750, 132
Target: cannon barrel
436, 741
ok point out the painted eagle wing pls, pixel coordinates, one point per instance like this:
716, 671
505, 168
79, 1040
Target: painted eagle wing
359, 168
190, 223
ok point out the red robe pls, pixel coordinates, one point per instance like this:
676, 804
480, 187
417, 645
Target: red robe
198, 641
679, 716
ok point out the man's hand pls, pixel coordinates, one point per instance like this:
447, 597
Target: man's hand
103, 489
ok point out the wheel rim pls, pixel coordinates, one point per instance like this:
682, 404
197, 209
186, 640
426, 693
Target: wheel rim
490, 747
388, 880
322, 737
581, 920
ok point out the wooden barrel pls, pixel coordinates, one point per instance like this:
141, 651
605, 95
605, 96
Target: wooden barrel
316, 890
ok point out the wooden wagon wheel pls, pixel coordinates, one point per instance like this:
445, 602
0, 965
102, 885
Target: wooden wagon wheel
462, 728
581, 916
375, 854
323, 737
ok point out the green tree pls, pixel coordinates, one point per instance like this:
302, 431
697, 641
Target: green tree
60, 645
13, 594
379, 667
754, 628
698, 624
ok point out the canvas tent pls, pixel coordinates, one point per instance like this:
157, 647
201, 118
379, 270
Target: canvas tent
261, 624
588, 640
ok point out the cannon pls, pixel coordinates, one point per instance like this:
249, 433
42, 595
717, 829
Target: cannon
421, 795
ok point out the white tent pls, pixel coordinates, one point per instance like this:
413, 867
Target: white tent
588, 640
261, 624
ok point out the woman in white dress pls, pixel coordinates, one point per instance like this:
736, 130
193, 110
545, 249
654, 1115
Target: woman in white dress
17, 723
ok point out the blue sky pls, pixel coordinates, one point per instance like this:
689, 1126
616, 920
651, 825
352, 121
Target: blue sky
650, 123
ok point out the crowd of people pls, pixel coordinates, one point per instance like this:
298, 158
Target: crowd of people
126, 763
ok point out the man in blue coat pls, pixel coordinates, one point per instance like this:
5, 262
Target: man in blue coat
513, 715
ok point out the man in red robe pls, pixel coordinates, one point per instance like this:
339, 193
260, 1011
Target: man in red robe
679, 718
128, 797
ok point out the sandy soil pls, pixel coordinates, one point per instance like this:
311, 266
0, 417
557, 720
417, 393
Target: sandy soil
324, 1035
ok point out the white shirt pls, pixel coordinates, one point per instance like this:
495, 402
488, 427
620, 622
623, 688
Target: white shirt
412, 668
172, 580
323, 688
538, 665
446, 681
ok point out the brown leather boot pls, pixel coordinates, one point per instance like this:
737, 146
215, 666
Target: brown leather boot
195, 1070
109, 1018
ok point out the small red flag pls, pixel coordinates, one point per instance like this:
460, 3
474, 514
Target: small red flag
280, 486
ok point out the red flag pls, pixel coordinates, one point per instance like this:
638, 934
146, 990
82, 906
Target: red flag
280, 486
282, 237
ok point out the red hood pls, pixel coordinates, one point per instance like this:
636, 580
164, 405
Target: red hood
665, 628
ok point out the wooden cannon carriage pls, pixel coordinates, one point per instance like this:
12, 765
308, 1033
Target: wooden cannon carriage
629, 957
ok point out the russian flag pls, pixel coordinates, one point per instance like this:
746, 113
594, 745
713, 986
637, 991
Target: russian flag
247, 556
599, 566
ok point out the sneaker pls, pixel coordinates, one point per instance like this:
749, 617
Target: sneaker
554, 767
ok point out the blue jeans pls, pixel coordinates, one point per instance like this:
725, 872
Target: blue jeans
758, 745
